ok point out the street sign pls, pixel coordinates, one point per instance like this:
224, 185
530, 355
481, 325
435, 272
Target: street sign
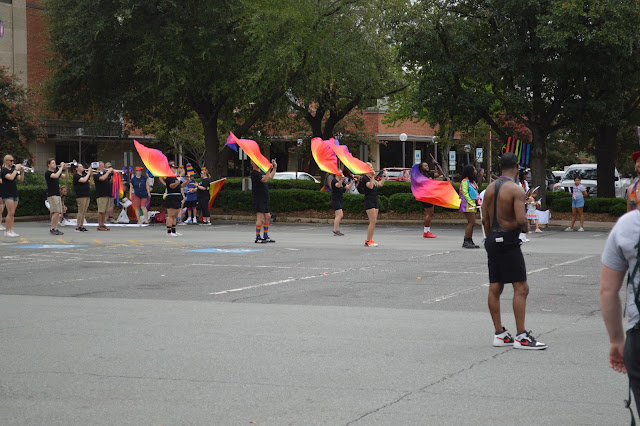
452, 160
417, 156
299, 142
241, 154
479, 155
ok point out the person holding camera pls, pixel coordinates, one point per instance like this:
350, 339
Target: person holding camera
369, 184
82, 188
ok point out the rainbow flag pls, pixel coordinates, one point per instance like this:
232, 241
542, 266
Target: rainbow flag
251, 148
324, 155
437, 192
154, 160
117, 189
357, 167
214, 188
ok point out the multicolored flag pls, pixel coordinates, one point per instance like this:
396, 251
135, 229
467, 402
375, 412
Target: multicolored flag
357, 167
251, 148
214, 188
324, 155
437, 192
154, 160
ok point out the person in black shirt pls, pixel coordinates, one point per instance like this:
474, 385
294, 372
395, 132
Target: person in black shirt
173, 201
337, 189
260, 194
52, 176
102, 180
82, 189
370, 186
204, 196
9, 173
1, 203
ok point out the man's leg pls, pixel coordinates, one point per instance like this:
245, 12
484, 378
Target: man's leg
265, 225
55, 218
495, 290
336, 220
259, 221
520, 293
428, 215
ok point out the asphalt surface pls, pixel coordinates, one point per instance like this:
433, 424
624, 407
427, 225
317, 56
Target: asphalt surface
130, 326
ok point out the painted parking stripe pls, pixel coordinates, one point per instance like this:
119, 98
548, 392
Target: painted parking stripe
50, 246
219, 250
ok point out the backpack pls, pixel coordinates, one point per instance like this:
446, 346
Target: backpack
160, 217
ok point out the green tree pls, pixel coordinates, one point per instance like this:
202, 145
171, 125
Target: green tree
18, 123
145, 60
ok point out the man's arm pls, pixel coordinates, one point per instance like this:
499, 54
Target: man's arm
610, 284
519, 210
485, 216
105, 176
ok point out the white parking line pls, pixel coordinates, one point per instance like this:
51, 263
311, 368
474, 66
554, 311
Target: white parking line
288, 280
454, 294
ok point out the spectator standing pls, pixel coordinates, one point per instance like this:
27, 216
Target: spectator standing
468, 195
139, 193
579, 193
621, 256
204, 196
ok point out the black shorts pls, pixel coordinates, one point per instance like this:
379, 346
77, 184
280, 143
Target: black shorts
505, 259
632, 361
191, 203
173, 202
370, 204
261, 206
426, 205
336, 204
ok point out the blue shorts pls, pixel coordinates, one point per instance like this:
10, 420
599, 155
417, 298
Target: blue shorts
577, 202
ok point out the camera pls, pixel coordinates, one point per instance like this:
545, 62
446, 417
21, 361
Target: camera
95, 165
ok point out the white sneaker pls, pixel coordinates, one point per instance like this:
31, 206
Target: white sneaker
527, 341
567, 229
581, 229
502, 339
176, 234
189, 220
181, 223
10, 234
1, 228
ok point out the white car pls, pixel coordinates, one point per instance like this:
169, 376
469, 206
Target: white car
588, 174
295, 175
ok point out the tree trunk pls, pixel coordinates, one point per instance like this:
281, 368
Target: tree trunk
606, 148
212, 146
538, 158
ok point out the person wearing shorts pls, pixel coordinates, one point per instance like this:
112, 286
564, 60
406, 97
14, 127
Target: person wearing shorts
52, 177
579, 192
102, 180
502, 223
10, 173
82, 188
173, 201
204, 196
337, 190
260, 198
139, 193
370, 186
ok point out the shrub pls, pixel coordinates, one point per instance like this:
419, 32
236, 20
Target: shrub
404, 203
236, 183
552, 196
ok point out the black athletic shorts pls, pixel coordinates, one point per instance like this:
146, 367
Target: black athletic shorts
370, 204
336, 204
190, 203
506, 262
261, 206
173, 202
426, 205
632, 361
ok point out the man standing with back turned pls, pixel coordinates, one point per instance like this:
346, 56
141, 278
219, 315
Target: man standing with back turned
503, 218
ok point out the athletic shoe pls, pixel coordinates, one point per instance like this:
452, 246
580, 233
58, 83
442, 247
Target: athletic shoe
267, 240
78, 229
181, 223
428, 234
469, 244
102, 228
527, 341
2, 228
370, 243
177, 234
10, 234
259, 240
502, 339
539, 231
338, 234
55, 232
581, 229
111, 220
207, 223
567, 229
83, 229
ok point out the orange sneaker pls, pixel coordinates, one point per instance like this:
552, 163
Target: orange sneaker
428, 234
370, 243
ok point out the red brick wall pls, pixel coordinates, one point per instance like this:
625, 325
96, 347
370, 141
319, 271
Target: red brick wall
373, 123
36, 46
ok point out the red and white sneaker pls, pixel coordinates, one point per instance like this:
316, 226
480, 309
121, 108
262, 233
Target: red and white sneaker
370, 243
527, 341
428, 234
502, 339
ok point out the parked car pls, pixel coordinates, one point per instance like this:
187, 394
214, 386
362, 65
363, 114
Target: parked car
549, 179
558, 174
295, 175
588, 174
398, 174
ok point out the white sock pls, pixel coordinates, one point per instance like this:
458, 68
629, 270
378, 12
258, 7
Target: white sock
427, 228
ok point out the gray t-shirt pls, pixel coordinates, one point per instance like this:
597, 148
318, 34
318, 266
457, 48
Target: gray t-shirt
620, 254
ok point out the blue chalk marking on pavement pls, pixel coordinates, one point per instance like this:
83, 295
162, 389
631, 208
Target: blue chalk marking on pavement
50, 246
218, 250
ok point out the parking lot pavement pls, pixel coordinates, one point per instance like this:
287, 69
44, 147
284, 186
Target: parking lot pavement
210, 328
